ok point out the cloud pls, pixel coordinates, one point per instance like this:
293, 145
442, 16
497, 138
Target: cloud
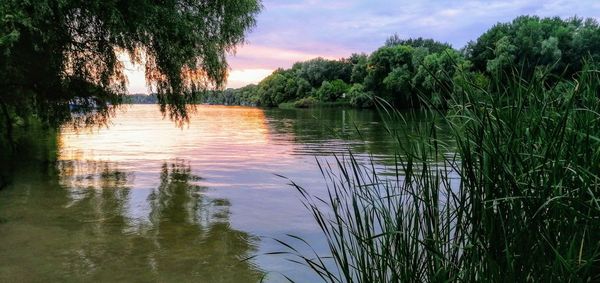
364, 25
259, 56
293, 30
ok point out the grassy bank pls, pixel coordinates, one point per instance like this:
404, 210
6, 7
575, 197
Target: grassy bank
514, 198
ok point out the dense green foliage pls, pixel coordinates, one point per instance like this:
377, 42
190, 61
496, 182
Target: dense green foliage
58, 57
513, 197
242, 96
530, 42
408, 72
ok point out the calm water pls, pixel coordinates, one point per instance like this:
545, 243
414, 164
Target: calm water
144, 200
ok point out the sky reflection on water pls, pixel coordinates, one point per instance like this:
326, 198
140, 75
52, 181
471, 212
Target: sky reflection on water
145, 200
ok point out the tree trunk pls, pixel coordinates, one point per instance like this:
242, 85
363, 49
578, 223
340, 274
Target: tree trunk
9, 127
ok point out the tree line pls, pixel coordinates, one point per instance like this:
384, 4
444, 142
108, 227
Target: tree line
410, 72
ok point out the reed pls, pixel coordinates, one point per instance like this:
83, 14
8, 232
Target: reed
511, 196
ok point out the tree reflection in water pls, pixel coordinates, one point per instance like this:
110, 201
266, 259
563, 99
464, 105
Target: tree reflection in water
85, 224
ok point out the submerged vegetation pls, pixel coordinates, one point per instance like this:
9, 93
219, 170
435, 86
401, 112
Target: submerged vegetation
515, 197
405, 71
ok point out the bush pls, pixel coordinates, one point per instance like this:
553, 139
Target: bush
332, 91
306, 102
359, 97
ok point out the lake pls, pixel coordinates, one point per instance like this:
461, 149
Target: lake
145, 200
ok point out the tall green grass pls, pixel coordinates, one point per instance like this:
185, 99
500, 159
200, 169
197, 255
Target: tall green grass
512, 196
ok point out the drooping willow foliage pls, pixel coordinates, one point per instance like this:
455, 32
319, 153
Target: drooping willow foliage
61, 56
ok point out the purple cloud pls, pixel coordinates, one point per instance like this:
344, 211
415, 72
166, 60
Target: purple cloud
292, 30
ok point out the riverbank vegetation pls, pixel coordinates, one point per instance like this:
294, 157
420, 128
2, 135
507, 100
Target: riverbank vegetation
404, 72
514, 197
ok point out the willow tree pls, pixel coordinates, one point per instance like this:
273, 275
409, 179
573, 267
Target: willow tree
57, 54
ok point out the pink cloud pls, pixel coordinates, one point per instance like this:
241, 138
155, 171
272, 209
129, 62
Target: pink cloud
264, 57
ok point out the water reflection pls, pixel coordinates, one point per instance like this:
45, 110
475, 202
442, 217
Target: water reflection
144, 200
323, 131
84, 224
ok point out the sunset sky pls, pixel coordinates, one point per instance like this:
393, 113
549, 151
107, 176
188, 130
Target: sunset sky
294, 30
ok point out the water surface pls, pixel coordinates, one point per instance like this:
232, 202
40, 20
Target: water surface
145, 200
